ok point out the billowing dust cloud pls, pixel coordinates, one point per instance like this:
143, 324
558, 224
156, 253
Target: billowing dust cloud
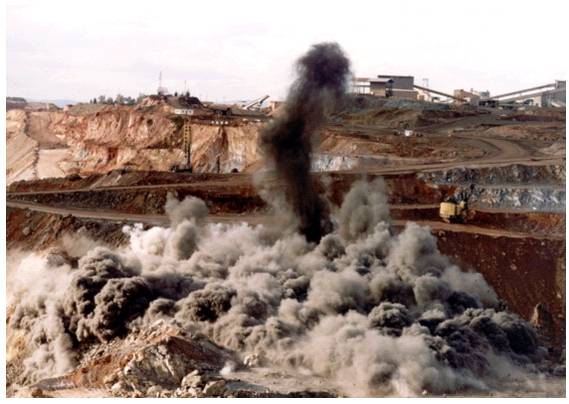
373, 311
287, 141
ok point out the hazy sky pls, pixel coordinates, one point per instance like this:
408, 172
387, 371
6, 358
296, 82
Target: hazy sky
244, 49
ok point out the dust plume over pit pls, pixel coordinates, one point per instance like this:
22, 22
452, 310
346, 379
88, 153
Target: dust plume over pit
385, 311
342, 297
320, 87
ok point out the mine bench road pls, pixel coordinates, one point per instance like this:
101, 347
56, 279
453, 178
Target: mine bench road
513, 158
263, 218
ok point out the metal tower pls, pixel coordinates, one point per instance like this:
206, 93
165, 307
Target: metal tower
187, 142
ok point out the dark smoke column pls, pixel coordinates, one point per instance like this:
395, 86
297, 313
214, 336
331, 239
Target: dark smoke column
287, 141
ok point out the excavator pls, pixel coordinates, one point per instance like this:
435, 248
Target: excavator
455, 208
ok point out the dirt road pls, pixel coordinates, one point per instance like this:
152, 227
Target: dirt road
264, 218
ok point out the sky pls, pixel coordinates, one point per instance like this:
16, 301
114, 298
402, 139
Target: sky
238, 50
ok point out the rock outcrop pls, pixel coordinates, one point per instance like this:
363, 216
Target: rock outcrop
91, 139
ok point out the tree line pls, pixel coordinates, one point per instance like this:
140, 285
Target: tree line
118, 100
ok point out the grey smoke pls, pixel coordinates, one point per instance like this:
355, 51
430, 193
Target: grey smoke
207, 304
287, 141
89, 306
190, 208
364, 206
381, 309
390, 318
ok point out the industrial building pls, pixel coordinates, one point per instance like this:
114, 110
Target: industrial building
386, 86
547, 95
555, 97
403, 87
469, 97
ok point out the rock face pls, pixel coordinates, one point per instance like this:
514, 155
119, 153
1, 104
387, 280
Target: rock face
21, 150
223, 149
90, 139
161, 361
523, 187
161, 356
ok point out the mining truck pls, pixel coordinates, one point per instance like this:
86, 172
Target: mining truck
455, 208
453, 212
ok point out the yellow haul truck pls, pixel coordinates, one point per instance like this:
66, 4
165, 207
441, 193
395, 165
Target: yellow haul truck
455, 208
452, 212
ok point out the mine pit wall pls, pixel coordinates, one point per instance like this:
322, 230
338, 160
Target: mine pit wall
224, 149
90, 159
122, 137
242, 147
329, 162
38, 231
507, 174
523, 271
533, 198
48, 163
518, 187
236, 194
225, 197
21, 150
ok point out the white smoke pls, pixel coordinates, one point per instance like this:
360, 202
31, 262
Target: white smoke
35, 289
374, 311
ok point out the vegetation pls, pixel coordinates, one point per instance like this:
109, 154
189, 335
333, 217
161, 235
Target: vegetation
119, 100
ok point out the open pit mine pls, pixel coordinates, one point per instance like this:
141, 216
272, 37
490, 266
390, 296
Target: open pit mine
339, 244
